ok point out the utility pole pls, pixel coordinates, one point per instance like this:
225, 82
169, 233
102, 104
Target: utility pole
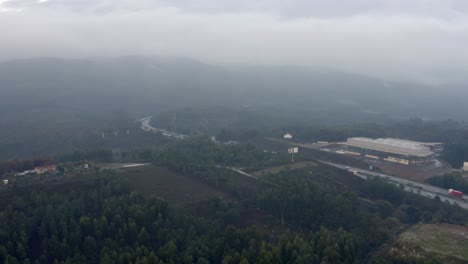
292, 151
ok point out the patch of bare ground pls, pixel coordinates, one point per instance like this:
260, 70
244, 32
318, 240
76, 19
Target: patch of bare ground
171, 186
442, 242
278, 169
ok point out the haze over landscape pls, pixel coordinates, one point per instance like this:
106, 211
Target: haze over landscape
424, 41
203, 131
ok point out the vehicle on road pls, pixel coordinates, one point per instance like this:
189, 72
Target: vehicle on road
455, 193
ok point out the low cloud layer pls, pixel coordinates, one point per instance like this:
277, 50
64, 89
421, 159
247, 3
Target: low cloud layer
420, 40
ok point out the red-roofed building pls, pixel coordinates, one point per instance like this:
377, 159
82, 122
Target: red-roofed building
45, 169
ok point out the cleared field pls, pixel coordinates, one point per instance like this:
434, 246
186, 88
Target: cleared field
278, 169
173, 187
414, 173
447, 243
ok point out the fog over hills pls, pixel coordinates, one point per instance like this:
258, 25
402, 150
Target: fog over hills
221, 131
50, 105
142, 85
420, 40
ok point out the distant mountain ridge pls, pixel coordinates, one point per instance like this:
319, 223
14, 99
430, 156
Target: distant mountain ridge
147, 84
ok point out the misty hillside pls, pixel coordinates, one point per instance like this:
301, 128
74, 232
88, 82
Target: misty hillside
142, 85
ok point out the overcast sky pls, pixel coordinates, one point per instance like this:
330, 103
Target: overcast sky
423, 40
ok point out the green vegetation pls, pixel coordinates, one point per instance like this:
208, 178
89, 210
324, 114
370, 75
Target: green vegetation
211, 214
104, 223
56, 131
190, 206
252, 124
201, 152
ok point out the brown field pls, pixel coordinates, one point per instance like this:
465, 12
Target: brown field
414, 173
173, 187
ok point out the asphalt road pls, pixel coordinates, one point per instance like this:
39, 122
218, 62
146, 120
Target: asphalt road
410, 186
145, 125
123, 165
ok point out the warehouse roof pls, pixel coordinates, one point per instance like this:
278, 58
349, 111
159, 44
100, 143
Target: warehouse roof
391, 145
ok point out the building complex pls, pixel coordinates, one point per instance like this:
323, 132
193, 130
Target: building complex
392, 150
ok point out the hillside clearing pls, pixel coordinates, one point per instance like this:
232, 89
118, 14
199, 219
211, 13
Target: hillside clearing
171, 186
447, 242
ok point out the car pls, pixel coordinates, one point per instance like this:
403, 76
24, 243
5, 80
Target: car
430, 195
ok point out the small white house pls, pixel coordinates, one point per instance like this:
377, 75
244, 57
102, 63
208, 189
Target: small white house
465, 167
5, 182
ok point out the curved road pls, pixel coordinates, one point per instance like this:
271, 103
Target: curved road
145, 125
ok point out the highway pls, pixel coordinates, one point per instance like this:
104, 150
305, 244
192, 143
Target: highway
145, 125
410, 186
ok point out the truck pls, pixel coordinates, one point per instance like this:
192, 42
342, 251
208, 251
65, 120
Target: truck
455, 193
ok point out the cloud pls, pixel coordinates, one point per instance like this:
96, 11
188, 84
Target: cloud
391, 39
4, 9
287, 9
322, 8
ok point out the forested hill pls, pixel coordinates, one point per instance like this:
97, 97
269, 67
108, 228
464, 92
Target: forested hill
147, 84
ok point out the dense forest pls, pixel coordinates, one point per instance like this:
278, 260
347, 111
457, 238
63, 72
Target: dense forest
108, 224
104, 222
317, 214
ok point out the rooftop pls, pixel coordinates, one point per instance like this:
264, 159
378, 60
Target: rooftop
391, 145
465, 166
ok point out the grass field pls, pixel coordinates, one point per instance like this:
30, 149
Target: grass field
173, 187
447, 243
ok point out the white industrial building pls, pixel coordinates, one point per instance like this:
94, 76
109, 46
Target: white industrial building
390, 149
465, 166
